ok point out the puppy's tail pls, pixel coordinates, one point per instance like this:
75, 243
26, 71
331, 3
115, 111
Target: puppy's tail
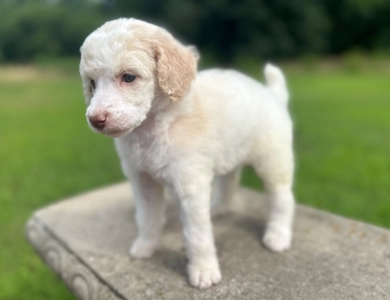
276, 82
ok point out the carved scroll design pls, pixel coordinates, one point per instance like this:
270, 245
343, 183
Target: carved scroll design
79, 279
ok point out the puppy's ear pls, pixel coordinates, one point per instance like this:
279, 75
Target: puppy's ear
195, 52
87, 89
176, 66
84, 69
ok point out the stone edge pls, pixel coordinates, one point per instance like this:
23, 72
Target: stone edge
78, 277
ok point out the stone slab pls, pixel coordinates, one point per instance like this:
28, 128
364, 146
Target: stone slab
85, 240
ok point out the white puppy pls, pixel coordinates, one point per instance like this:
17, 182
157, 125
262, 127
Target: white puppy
183, 130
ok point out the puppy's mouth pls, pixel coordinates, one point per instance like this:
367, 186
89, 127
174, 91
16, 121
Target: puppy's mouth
112, 129
113, 132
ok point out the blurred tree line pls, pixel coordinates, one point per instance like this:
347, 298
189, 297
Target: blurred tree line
224, 29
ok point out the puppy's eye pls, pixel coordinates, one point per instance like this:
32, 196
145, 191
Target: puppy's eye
93, 84
128, 77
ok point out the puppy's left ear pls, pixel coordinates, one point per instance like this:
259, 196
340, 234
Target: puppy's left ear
176, 66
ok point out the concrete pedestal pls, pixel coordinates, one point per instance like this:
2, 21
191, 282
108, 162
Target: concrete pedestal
85, 240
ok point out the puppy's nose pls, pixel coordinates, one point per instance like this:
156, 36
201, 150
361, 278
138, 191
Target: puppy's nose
98, 121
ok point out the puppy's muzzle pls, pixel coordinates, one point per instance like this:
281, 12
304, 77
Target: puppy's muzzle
98, 121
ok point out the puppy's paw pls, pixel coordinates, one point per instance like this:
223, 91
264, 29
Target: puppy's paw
277, 239
143, 248
204, 277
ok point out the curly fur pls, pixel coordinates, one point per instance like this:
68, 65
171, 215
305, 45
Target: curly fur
176, 67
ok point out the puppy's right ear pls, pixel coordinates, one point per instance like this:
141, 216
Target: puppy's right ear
83, 69
87, 89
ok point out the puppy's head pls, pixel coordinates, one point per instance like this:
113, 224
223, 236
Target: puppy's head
127, 66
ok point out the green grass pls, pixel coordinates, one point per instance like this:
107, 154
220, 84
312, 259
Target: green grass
47, 153
342, 145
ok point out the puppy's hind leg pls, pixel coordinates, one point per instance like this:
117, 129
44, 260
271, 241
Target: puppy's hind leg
276, 171
150, 214
224, 190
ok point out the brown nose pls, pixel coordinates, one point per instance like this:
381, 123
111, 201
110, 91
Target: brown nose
98, 121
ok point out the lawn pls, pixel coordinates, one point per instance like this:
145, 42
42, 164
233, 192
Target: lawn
342, 145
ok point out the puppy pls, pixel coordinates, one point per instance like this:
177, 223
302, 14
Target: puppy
188, 132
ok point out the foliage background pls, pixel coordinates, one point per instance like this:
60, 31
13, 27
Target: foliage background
336, 57
224, 29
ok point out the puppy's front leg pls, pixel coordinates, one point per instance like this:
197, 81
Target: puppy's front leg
203, 268
150, 217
